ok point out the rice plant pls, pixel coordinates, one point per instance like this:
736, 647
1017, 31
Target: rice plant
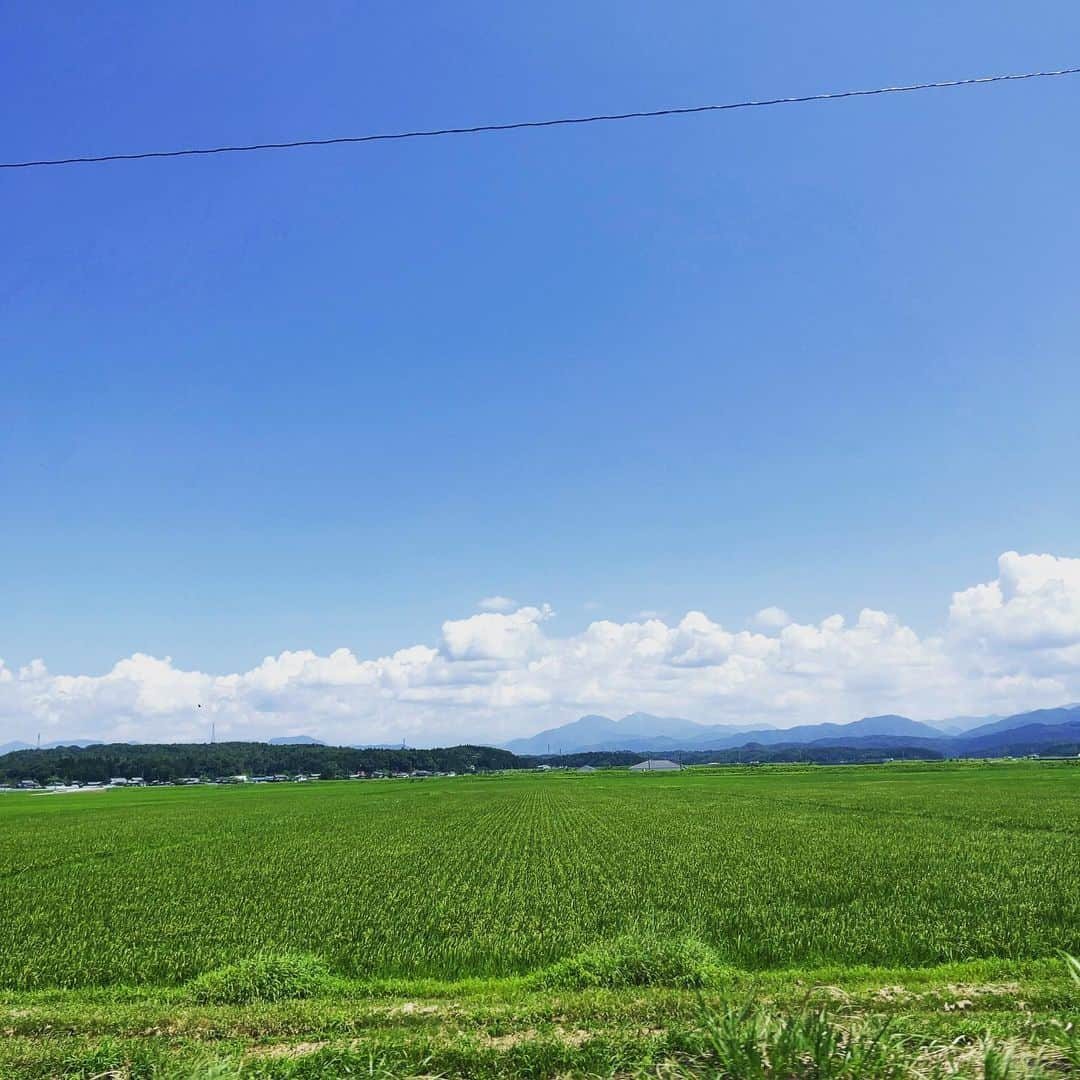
510, 875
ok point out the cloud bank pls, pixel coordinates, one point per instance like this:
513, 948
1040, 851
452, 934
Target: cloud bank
1008, 644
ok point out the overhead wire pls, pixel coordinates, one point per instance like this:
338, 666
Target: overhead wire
521, 125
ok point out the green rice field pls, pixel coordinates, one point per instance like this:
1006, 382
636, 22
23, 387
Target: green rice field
771, 868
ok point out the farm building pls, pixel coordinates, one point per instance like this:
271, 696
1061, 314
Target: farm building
656, 765
586, 768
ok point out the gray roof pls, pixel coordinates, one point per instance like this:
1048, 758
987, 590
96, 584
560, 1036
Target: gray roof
654, 765
586, 768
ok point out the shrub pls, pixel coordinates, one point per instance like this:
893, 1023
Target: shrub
268, 977
682, 962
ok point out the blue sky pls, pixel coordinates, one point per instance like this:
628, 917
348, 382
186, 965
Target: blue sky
821, 357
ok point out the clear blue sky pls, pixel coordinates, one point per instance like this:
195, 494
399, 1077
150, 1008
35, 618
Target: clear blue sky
820, 356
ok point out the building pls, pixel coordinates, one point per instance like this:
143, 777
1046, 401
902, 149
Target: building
586, 768
656, 765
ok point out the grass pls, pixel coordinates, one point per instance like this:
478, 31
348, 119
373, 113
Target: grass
627, 962
464, 878
903, 921
268, 977
1000, 1019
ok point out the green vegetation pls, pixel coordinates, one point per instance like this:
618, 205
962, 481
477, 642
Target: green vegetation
172, 761
632, 961
506, 875
1000, 1020
272, 977
167, 763
523, 924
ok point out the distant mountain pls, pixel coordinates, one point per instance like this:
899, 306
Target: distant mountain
889, 725
957, 725
568, 738
295, 740
644, 733
638, 731
7, 748
1029, 739
855, 742
640, 723
1063, 715
855, 733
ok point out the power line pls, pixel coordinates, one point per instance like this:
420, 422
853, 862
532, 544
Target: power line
524, 124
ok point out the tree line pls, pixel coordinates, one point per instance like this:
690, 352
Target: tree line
168, 762
174, 761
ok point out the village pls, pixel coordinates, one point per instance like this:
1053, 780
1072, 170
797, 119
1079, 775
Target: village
116, 782
59, 787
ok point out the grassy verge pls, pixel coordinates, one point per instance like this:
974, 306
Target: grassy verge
981, 1019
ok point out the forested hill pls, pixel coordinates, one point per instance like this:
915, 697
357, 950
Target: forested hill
172, 761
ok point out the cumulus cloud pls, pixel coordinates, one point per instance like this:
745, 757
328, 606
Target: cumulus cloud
496, 603
1033, 605
772, 618
495, 637
1009, 643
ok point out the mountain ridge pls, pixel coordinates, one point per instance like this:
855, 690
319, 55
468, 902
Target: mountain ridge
1063, 714
18, 744
643, 732
649, 734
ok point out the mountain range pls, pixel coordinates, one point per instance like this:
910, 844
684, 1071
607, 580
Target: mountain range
10, 747
641, 732
1055, 731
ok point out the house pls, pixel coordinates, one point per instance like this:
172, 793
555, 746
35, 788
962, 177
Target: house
656, 765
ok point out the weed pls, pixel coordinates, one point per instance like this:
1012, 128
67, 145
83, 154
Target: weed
268, 977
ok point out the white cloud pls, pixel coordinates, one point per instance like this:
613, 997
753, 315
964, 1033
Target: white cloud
501, 604
1009, 643
1034, 604
512, 637
772, 618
